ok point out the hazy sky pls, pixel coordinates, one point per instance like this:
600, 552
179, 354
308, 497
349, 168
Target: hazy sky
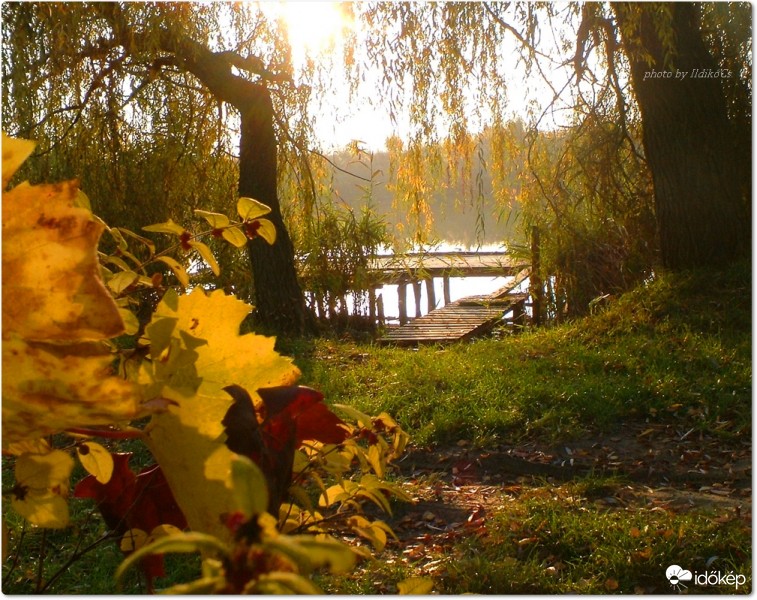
315, 29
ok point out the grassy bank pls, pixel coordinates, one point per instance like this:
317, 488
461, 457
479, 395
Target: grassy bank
674, 355
680, 346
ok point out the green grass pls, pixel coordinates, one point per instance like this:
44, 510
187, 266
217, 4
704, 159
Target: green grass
683, 340
678, 350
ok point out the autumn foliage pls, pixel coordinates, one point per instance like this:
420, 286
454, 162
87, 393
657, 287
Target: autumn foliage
249, 462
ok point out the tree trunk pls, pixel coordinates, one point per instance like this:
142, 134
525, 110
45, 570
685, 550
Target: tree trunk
702, 215
279, 300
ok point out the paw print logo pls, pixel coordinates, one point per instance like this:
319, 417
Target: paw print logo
677, 575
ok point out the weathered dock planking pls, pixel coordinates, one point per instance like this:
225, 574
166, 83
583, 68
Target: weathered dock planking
400, 268
457, 321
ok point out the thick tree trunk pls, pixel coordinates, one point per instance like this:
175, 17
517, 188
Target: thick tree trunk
702, 214
279, 300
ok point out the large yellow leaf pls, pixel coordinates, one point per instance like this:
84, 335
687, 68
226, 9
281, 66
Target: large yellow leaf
188, 440
49, 388
51, 282
55, 312
15, 152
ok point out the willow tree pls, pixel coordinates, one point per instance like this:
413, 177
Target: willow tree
454, 61
166, 84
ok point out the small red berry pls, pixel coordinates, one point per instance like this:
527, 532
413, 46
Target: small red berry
251, 229
184, 240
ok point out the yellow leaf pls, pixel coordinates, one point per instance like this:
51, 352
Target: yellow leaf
168, 227
215, 220
82, 201
39, 471
162, 531
133, 540
120, 231
40, 446
336, 493
178, 270
249, 486
49, 388
55, 307
267, 230
311, 552
188, 439
374, 459
235, 237
207, 256
43, 509
52, 290
15, 152
120, 281
416, 586
366, 529
250, 209
131, 322
96, 460
42, 487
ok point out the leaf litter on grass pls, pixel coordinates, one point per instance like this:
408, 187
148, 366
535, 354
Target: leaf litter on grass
653, 478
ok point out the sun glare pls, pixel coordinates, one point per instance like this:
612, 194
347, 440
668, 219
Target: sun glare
312, 26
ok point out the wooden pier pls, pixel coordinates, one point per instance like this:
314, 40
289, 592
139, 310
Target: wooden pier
396, 268
461, 320
415, 269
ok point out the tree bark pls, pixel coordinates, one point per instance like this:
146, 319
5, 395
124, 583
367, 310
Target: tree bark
702, 214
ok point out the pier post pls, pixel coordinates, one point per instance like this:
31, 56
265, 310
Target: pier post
380, 310
417, 294
535, 283
445, 282
402, 301
372, 306
431, 294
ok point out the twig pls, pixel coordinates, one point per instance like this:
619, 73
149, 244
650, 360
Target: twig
17, 554
41, 563
77, 554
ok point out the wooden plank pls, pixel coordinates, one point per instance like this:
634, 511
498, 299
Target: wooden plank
460, 320
394, 268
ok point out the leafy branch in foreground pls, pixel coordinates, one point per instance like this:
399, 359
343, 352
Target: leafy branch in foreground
205, 388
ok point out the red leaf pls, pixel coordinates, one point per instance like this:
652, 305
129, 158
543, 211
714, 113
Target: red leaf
312, 418
292, 414
130, 501
115, 498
